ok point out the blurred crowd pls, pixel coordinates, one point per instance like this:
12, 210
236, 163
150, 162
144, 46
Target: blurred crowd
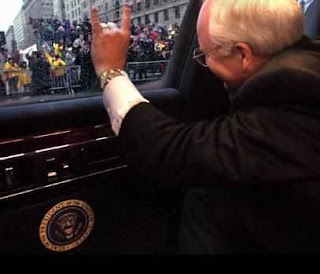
151, 43
64, 45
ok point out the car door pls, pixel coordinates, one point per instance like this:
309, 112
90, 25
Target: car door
64, 184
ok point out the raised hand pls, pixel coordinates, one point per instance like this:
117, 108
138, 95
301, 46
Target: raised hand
110, 45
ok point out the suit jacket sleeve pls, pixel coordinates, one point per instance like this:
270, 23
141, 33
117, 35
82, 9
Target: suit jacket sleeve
244, 148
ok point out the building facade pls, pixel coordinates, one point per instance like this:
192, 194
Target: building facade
22, 25
11, 44
59, 11
158, 12
34, 10
19, 29
74, 10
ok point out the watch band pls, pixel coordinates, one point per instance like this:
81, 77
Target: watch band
110, 74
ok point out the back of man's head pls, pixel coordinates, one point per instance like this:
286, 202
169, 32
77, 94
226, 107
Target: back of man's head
267, 26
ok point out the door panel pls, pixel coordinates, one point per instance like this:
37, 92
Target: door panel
124, 221
49, 180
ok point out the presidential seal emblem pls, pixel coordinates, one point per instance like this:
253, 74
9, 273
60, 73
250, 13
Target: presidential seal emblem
66, 226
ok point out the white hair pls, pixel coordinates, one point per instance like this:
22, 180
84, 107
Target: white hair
267, 26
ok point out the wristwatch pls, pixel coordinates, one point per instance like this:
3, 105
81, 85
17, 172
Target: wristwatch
108, 75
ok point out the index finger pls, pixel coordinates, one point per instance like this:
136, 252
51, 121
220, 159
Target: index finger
126, 13
95, 21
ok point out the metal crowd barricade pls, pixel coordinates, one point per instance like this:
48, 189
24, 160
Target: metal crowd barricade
146, 71
66, 78
18, 81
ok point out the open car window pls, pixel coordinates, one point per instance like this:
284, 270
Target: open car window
45, 46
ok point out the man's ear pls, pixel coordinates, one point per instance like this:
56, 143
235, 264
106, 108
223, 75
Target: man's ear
245, 54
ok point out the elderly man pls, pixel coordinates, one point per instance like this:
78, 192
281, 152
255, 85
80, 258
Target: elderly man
253, 175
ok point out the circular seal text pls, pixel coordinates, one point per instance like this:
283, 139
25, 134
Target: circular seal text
66, 226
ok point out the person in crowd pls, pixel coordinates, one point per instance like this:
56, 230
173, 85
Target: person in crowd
56, 63
87, 77
3, 54
252, 175
24, 76
59, 35
11, 73
138, 54
58, 66
69, 57
3, 58
159, 45
78, 44
40, 69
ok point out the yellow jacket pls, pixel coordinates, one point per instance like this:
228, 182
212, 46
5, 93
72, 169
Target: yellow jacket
24, 78
11, 67
57, 66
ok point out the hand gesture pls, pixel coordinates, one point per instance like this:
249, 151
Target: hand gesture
110, 45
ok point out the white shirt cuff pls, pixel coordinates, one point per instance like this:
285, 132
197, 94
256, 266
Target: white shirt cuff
119, 96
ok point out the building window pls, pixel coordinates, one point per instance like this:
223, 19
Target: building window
177, 12
156, 17
166, 15
146, 19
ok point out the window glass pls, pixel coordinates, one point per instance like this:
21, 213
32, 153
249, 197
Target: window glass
45, 45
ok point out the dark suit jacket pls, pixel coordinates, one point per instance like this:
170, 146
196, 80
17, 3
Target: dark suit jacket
253, 175
312, 20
